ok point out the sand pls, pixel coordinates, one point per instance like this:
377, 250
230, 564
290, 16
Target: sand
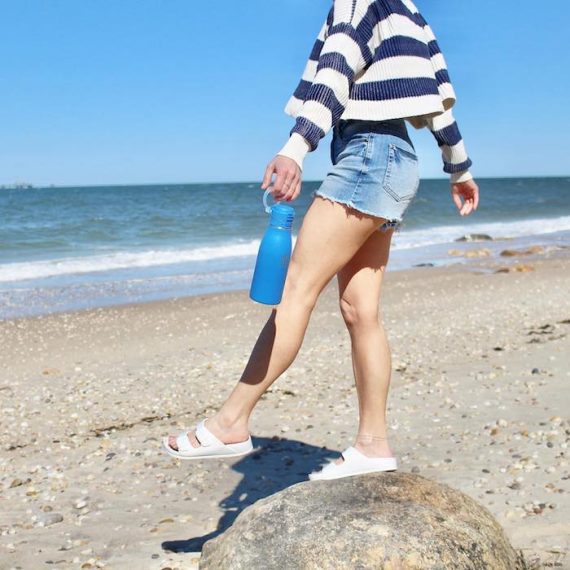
479, 400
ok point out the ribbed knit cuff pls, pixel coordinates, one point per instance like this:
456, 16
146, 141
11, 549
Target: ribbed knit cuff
458, 177
296, 148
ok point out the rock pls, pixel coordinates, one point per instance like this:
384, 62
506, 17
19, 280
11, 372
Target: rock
47, 519
475, 237
483, 252
380, 521
528, 251
520, 267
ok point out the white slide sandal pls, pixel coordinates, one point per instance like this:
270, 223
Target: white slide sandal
355, 463
210, 446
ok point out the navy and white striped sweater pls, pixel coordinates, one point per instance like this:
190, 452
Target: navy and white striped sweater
376, 60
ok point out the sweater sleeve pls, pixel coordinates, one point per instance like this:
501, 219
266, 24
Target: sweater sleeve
446, 132
343, 55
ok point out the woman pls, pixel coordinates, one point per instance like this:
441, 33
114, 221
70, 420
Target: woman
375, 65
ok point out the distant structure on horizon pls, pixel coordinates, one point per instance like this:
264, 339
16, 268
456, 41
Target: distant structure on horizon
17, 186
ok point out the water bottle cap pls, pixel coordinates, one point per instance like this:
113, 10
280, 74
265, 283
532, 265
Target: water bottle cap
281, 214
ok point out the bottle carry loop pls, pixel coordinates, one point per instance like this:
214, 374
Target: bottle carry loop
267, 207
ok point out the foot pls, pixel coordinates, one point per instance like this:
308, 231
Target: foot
224, 432
370, 449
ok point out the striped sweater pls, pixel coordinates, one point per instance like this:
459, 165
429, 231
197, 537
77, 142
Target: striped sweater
376, 60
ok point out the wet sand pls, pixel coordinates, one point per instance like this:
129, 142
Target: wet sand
479, 400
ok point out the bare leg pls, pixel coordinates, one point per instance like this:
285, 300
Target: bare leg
360, 282
329, 237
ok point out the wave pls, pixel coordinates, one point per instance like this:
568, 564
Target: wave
123, 260
497, 230
409, 238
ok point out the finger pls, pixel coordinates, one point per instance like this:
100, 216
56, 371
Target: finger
279, 196
267, 177
469, 205
292, 182
279, 181
282, 192
288, 182
457, 200
288, 185
297, 190
476, 199
286, 194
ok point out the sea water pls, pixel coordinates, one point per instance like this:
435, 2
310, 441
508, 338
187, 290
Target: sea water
73, 248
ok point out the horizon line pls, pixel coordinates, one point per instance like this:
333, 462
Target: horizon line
10, 186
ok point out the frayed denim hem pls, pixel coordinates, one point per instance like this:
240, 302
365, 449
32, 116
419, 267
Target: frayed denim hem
393, 223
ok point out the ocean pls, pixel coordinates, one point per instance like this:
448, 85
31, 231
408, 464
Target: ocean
74, 248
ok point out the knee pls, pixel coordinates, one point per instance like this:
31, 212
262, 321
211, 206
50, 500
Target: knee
298, 290
359, 314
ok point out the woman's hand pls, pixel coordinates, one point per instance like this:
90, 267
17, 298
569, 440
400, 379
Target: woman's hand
470, 192
287, 185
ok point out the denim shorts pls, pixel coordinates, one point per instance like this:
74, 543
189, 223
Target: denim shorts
375, 169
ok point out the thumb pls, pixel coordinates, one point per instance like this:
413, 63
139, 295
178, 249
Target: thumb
268, 173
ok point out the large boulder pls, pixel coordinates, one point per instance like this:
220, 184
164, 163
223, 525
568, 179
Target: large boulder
395, 521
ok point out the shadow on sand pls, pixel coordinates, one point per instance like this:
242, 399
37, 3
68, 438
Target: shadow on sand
275, 464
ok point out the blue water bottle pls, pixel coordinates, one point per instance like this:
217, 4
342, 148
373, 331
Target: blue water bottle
273, 256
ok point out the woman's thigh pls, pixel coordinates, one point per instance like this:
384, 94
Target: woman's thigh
360, 280
330, 235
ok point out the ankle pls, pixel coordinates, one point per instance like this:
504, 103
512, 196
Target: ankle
371, 442
374, 449
231, 422
368, 438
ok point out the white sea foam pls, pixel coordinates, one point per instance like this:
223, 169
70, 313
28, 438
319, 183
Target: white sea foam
447, 234
123, 260
407, 239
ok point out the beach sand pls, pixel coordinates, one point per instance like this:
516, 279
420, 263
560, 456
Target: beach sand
479, 400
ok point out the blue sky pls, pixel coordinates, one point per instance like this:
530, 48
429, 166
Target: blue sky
140, 91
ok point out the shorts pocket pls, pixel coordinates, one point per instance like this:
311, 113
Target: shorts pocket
353, 148
401, 179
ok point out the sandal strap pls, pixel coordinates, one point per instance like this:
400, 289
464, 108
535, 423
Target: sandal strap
206, 437
348, 454
183, 443
351, 453
352, 458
